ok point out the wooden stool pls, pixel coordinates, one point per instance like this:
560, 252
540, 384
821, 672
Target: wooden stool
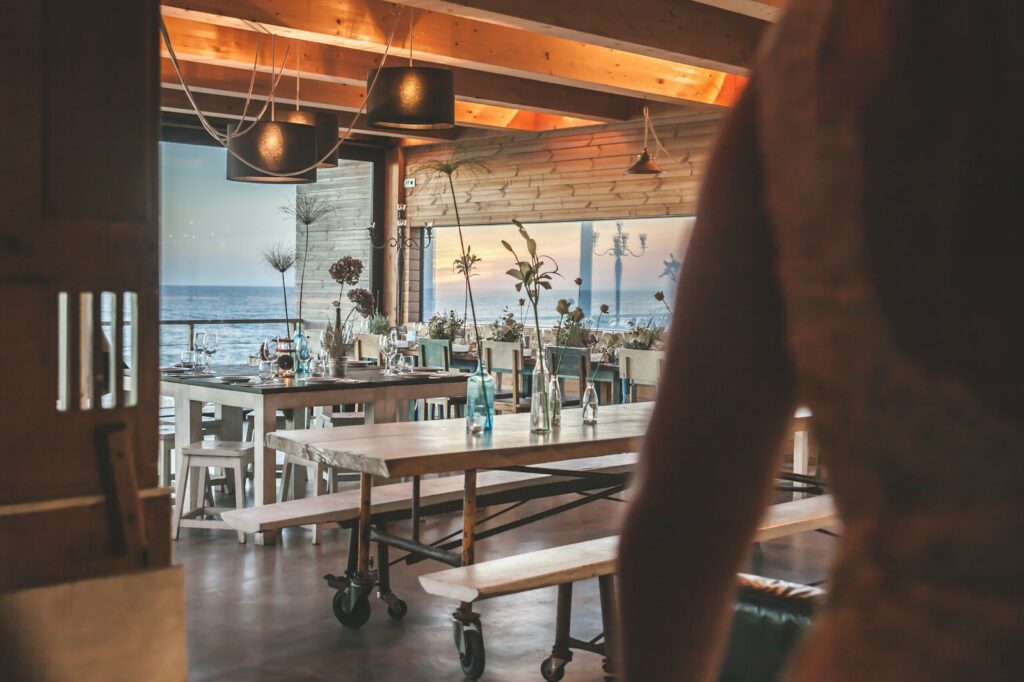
164, 455
325, 480
227, 455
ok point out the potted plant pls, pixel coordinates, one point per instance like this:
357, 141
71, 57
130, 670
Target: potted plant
445, 326
337, 339
507, 328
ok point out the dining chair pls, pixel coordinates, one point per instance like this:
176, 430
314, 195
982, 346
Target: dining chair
569, 363
501, 358
640, 368
368, 347
437, 353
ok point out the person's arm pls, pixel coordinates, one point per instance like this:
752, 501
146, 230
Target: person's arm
723, 405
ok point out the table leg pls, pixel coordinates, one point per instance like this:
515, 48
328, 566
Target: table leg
264, 463
381, 412
469, 518
365, 500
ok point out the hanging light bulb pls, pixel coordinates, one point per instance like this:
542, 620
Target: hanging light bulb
281, 147
644, 164
411, 97
326, 124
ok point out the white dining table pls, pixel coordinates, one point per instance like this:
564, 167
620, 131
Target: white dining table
380, 396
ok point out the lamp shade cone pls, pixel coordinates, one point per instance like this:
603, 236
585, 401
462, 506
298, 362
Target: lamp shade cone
326, 125
276, 146
411, 97
644, 165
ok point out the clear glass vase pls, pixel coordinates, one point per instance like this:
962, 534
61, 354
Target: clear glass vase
479, 401
555, 401
303, 352
590, 404
540, 418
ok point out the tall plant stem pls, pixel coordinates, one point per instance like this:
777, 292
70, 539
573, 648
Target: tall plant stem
287, 321
302, 278
540, 363
469, 287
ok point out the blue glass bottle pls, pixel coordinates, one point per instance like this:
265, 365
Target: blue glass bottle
479, 401
301, 348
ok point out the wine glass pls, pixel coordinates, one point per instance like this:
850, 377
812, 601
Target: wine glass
389, 350
210, 347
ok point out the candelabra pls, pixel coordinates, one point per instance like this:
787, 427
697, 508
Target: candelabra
400, 243
619, 249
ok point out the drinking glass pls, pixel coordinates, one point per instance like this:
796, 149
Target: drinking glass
389, 350
210, 348
187, 359
265, 370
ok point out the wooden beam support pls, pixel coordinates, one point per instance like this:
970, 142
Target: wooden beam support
765, 10
316, 94
199, 42
466, 43
685, 32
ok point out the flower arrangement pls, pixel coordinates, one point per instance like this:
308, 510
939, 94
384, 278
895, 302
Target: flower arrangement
643, 336
465, 266
506, 327
533, 273
345, 272
281, 258
337, 339
445, 326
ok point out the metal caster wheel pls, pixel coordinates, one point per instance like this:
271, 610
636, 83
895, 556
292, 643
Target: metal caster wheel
472, 657
549, 672
397, 608
354, 619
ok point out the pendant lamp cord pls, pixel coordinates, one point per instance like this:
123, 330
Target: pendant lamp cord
298, 75
223, 138
273, 65
659, 148
412, 13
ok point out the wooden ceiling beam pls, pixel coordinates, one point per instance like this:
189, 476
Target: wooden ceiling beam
215, 79
686, 32
765, 10
466, 43
236, 47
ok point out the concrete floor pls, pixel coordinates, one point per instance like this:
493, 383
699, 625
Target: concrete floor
264, 613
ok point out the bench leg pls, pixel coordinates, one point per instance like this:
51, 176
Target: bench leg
397, 608
609, 619
179, 493
551, 668
319, 488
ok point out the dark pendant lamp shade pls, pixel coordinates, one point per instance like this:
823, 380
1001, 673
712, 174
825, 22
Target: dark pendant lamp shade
412, 97
326, 125
278, 146
644, 165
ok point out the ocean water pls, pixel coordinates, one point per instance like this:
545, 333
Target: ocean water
236, 342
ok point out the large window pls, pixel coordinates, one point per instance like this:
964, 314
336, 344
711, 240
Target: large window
615, 269
212, 237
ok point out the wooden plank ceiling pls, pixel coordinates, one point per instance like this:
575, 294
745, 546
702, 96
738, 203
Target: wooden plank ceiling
527, 65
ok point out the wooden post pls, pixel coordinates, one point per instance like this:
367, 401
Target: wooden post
469, 518
394, 193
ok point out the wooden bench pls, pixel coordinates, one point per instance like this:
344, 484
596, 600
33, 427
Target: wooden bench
565, 565
396, 498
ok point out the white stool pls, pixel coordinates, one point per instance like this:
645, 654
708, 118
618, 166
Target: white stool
164, 457
325, 480
227, 455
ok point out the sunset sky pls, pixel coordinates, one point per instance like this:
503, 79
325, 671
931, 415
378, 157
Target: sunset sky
562, 242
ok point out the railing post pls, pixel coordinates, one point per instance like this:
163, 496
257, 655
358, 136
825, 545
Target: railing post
190, 330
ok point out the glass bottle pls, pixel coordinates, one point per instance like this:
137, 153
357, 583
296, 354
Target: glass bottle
555, 401
540, 420
300, 344
590, 404
479, 401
